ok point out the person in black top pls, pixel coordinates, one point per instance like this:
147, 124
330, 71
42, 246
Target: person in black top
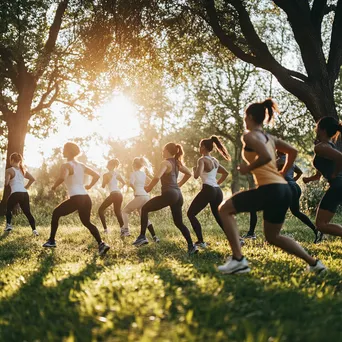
171, 194
328, 162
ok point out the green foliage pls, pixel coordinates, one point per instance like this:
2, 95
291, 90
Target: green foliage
158, 292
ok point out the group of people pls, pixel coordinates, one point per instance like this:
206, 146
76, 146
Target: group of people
276, 190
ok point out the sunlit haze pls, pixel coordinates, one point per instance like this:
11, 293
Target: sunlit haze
116, 119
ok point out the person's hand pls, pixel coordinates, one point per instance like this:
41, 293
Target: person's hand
87, 187
147, 188
243, 169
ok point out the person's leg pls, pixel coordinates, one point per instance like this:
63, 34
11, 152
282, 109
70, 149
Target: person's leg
176, 210
295, 207
24, 203
129, 208
11, 203
65, 208
214, 205
140, 203
105, 204
197, 205
117, 202
84, 210
154, 204
273, 236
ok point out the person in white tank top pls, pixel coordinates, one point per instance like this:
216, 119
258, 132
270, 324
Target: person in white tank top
207, 169
110, 180
72, 174
138, 180
15, 177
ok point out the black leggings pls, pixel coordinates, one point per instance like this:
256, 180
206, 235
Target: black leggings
81, 203
208, 195
170, 198
114, 198
21, 198
296, 192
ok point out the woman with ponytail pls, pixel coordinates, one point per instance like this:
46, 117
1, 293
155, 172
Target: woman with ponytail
272, 195
207, 168
328, 162
14, 177
137, 182
110, 180
171, 195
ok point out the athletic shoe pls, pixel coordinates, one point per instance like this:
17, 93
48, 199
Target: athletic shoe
201, 244
249, 236
8, 227
319, 237
34, 232
233, 266
242, 241
156, 238
192, 249
105, 231
318, 268
49, 243
124, 232
140, 241
103, 248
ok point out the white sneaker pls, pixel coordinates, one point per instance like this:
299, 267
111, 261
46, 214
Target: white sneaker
34, 232
106, 231
201, 244
233, 266
8, 227
318, 268
124, 232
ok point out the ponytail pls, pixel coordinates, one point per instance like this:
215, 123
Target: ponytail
220, 147
258, 111
18, 158
180, 153
140, 162
176, 150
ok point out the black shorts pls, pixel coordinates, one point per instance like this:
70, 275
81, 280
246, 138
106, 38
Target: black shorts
333, 197
272, 199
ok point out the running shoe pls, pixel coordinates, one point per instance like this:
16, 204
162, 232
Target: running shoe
201, 244
106, 231
192, 249
249, 236
35, 233
233, 266
156, 238
103, 248
124, 232
318, 268
319, 237
140, 241
8, 227
49, 243
242, 241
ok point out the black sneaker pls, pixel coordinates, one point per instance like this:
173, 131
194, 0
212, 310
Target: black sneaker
249, 236
50, 244
103, 248
140, 241
319, 237
192, 249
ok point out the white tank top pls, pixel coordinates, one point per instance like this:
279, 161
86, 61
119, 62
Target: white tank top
75, 182
17, 182
113, 183
138, 179
209, 178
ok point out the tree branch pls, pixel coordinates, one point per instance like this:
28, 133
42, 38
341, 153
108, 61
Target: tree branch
317, 13
335, 54
48, 104
50, 44
7, 57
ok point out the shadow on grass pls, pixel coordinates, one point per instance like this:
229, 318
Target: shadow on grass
46, 313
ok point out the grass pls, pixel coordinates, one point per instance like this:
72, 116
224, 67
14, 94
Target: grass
158, 293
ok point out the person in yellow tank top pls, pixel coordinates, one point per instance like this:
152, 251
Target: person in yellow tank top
272, 195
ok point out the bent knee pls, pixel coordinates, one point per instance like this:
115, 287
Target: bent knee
226, 208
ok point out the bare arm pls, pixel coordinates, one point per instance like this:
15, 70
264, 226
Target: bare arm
312, 178
224, 174
326, 151
199, 168
121, 180
9, 174
162, 169
186, 172
290, 151
95, 176
298, 173
63, 174
30, 178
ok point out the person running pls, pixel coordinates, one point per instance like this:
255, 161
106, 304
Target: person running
328, 162
110, 179
272, 195
72, 174
296, 193
207, 168
171, 195
137, 182
15, 177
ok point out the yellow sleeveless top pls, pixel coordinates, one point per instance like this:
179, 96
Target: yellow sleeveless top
268, 173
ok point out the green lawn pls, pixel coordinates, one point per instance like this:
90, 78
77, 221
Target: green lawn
158, 293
